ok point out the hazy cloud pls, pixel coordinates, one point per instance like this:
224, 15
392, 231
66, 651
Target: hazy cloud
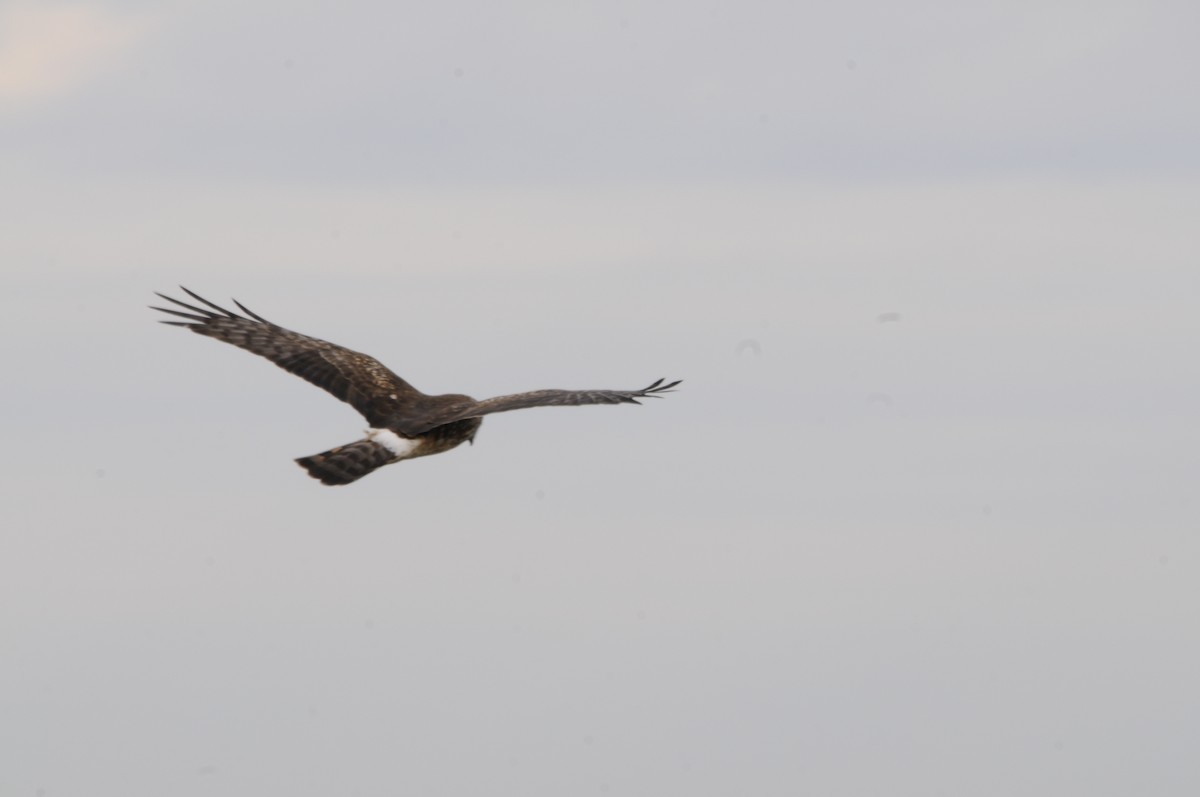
49, 49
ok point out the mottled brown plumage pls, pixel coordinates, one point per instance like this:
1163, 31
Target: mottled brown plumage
405, 423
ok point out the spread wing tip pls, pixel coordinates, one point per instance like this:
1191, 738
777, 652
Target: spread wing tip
204, 301
657, 388
200, 314
250, 312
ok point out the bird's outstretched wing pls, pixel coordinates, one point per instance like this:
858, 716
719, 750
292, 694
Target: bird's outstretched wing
545, 398
361, 381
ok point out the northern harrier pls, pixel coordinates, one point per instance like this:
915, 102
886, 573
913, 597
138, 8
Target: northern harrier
405, 423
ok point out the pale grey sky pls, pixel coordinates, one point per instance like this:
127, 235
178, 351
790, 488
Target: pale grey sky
921, 521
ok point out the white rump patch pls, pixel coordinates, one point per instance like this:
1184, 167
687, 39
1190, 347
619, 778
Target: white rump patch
400, 447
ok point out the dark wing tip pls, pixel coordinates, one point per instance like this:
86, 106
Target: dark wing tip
204, 301
657, 388
202, 315
196, 313
190, 316
250, 312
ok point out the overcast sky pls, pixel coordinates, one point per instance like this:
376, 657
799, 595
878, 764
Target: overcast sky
922, 519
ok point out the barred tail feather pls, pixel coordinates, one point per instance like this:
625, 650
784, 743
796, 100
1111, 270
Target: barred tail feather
347, 463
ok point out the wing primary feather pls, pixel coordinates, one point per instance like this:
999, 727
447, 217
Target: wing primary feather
251, 313
202, 300
664, 389
192, 316
207, 314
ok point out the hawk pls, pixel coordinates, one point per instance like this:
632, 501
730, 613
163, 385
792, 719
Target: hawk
404, 422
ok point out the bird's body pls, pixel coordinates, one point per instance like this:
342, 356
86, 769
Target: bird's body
404, 422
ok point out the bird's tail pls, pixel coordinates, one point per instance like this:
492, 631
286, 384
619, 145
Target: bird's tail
347, 463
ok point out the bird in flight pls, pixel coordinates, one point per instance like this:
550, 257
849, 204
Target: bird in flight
404, 422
